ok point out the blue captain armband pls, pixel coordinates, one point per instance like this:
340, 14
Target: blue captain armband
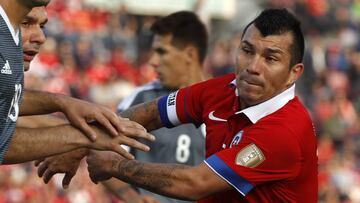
162, 106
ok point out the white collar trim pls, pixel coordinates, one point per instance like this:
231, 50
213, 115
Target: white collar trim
259, 111
233, 84
15, 34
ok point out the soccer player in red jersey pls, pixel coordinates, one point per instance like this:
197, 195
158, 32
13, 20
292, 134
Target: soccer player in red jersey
260, 144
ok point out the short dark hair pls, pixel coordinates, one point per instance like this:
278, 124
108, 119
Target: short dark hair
185, 28
280, 21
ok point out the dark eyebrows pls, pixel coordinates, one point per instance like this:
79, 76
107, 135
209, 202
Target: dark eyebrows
33, 19
274, 51
267, 50
160, 50
247, 43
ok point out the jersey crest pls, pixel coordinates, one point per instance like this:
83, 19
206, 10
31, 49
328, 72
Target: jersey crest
250, 156
236, 139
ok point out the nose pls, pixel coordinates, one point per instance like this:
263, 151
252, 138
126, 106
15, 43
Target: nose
38, 36
253, 66
154, 60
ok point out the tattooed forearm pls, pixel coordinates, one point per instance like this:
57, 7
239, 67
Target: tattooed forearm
146, 114
154, 177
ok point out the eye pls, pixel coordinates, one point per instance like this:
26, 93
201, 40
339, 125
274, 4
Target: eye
160, 51
246, 50
25, 24
271, 59
42, 26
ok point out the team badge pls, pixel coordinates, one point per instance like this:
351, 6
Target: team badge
236, 139
250, 156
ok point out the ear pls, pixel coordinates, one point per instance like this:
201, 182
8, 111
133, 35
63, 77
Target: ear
191, 54
295, 73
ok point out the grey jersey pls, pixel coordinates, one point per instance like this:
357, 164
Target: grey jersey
11, 84
184, 144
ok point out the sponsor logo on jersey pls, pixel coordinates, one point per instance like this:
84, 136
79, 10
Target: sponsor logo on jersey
214, 118
236, 139
250, 156
6, 69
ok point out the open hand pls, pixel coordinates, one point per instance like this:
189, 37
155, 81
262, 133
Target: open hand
80, 113
67, 163
106, 143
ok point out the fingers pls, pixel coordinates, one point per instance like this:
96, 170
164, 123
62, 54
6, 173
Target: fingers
67, 179
106, 121
91, 172
136, 132
42, 168
131, 143
118, 149
45, 172
37, 162
127, 124
87, 130
48, 175
93, 179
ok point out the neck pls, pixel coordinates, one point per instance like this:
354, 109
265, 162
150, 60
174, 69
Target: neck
15, 11
243, 105
195, 75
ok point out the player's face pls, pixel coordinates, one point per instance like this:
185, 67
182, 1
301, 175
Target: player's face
32, 34
169, 62
263, 66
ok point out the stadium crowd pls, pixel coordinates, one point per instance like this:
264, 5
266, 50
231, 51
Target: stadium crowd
101, 56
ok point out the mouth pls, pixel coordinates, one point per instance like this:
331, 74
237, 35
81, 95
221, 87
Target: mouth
250, 81
159, 76
29, 55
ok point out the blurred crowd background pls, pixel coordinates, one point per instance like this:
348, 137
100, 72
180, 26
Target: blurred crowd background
97, 50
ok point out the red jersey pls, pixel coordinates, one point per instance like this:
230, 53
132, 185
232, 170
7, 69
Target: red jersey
266, 152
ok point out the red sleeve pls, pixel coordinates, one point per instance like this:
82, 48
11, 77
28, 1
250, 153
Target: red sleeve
263, 154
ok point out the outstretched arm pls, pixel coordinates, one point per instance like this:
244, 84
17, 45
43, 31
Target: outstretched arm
39, 121
78, 112
178, 181
146, 114
28, 144
36, 143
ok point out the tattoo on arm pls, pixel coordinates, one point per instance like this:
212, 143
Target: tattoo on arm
154, 177
147, 114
